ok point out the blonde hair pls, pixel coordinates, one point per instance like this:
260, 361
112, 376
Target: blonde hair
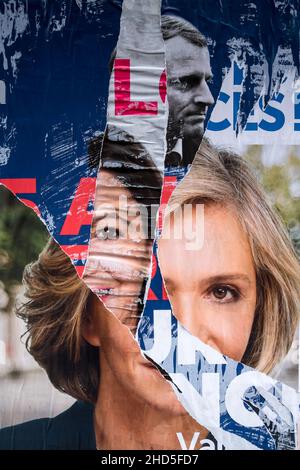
221, 177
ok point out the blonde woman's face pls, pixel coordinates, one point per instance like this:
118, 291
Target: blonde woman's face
212, 287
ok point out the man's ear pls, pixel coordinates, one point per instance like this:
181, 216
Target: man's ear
90, 324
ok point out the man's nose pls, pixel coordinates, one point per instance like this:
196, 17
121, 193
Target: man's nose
203, 94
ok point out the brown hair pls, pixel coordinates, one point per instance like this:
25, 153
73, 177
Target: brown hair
54, 311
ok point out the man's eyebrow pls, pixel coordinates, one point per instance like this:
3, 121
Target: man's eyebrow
188, 75
192, 75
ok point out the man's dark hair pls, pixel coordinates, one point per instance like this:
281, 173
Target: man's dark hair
172, 26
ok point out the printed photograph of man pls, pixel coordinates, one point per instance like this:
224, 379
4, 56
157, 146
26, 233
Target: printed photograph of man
189, 96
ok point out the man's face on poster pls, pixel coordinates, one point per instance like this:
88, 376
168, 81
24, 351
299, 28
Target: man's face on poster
188, 68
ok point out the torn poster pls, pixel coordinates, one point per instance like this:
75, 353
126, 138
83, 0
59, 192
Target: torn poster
158, 144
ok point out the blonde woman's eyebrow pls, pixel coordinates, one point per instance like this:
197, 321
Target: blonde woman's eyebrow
216, 279
227, 277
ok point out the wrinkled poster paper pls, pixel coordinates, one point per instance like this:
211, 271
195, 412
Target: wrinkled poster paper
252, 107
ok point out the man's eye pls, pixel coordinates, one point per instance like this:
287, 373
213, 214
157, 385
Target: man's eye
107, 233
178, 84
224, 293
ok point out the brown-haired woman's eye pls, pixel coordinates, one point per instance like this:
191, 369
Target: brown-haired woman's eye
107, 233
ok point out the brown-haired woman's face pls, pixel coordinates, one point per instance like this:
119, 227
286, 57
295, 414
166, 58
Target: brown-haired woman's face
119, 252
212, 287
